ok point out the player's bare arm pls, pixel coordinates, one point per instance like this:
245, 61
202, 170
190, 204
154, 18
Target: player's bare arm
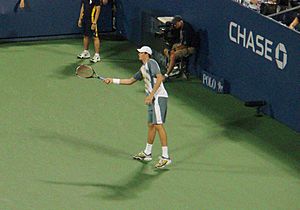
22, 4
159, 79
94, 23
80, 17
129, 81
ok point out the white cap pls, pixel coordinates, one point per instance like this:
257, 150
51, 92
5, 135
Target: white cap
145, 49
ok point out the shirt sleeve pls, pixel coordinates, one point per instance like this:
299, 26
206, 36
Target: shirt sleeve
138, 76
153, 67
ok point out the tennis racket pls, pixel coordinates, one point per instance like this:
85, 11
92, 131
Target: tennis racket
85, 71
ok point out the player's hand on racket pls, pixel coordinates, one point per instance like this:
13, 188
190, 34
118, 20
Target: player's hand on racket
108, 80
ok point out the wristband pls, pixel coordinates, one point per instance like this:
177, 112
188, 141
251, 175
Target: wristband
116, 81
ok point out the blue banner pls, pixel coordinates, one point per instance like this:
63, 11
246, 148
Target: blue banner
45, 18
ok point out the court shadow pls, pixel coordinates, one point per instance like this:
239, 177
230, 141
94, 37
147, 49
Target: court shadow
188, 153
118, 49
80, 143
67, 71
119, 60
239, 123
232, 169
45, 42
120, 53
58, 51
129, 188
271, 137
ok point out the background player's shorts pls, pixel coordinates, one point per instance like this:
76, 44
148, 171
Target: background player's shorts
157, 111
87, 31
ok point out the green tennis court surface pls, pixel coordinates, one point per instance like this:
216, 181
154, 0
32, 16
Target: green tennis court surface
66, 143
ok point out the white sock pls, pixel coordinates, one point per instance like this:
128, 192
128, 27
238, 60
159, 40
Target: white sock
165, 153
148, 149
85, 51
97, 54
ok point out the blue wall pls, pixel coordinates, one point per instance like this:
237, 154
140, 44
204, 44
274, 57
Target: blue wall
45, 18
251, 70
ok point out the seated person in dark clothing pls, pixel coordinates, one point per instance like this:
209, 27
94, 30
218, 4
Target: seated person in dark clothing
186, 45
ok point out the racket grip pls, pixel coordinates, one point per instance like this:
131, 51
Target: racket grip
101, 78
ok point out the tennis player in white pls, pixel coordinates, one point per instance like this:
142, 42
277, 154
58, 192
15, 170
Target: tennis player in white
156, 99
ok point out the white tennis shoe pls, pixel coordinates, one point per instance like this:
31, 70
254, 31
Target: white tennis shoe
163, 162
142, 156
95, 59
84, 55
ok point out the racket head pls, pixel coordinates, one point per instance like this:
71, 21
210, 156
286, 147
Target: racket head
85, 71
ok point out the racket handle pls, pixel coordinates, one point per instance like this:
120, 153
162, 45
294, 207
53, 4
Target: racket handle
101, 78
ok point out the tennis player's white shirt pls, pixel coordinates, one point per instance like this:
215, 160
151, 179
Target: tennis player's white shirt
148, 73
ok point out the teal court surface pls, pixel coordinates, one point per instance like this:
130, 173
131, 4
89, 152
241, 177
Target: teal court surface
66, 142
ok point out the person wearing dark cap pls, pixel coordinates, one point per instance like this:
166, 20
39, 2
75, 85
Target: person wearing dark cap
186, 45
156, 99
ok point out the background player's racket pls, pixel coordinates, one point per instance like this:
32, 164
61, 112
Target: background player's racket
85, 71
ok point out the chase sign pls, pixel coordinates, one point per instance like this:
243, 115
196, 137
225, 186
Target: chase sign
258, 44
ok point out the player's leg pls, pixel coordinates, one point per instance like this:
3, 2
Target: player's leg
96, 57
86, 33
146, 154
165, 159
85, 53
159, 115
151, 133
151, 137
97, 45
86, 42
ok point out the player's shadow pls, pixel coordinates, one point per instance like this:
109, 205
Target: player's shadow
67, 71
129, 188
80, 143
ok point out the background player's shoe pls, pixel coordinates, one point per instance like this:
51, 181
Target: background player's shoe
142, 156
95, 59
163, 162
84, 55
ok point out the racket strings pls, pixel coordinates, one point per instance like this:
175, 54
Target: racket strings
85, 71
